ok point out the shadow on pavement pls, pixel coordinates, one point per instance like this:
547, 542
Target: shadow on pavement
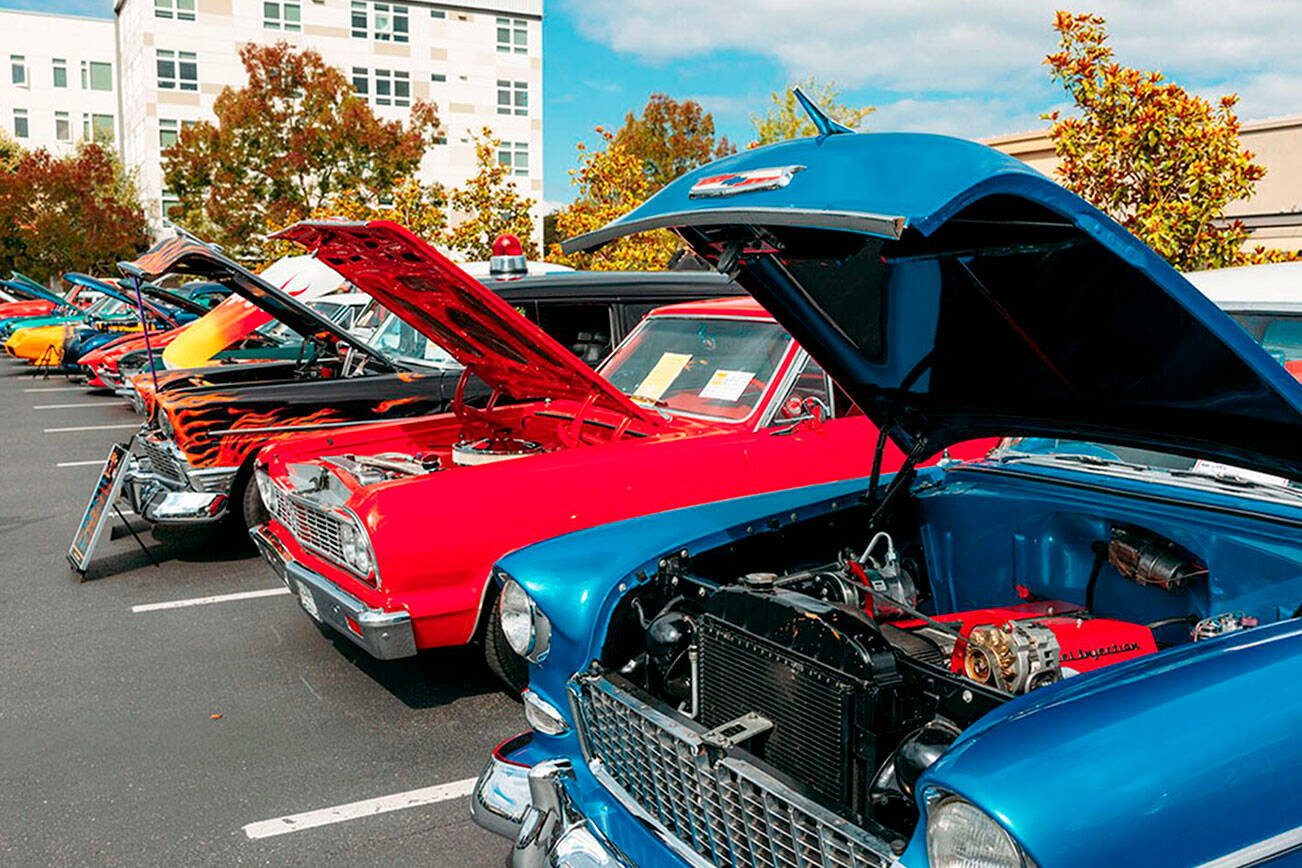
428, 680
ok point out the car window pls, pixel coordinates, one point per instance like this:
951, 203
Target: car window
583, 328
713, 368
1279, 334
403, 342
811, 382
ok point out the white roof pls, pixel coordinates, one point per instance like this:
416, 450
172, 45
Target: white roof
1274, 286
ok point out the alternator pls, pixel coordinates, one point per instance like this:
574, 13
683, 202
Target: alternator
1014, 657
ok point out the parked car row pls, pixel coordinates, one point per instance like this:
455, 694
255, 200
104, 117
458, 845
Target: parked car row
941, 524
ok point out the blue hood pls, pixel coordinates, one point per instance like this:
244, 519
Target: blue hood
28, 288
109, 289
956, 293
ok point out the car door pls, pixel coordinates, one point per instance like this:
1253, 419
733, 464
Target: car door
788, 449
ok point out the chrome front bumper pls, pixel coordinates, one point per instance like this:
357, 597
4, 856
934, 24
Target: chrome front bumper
532, 806
160, 500
384, 635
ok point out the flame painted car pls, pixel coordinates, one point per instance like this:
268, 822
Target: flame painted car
703, 401
167, 314
196, 451
1079, 651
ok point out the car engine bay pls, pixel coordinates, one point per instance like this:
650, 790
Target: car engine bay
849, 676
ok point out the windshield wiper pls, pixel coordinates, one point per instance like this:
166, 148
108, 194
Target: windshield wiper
1054, 457
1231, 479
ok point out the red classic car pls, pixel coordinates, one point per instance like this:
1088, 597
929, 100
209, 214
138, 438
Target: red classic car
387, 532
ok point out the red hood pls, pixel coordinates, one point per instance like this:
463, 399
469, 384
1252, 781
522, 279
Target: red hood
457, 312
118, 348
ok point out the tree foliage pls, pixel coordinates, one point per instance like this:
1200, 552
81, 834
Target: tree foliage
488, 205
74, 213
1163, 162
294, 136
671, 137
611, 181
785, 119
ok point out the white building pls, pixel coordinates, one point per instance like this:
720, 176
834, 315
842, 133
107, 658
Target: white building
60, 87
165, 61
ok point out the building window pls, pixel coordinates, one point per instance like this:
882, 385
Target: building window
62, 127
360, 81
170, 203
440, 140
97, 128
177, 70
96, 75
512, 36
515, 156
181, 10
20, 123
386, 22
438, 13
284, 15
392, 87
512, 97
169, 131
60, 72
18, 69
438, 77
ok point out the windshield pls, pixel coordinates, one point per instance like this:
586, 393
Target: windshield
278, 333
715, 368
1279, 334
399, 340
107, 306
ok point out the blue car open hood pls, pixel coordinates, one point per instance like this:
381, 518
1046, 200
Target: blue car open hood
956, 293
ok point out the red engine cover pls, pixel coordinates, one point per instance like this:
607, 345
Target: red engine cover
1086, 643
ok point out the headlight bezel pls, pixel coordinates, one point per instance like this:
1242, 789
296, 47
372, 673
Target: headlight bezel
535, 646
940, 804
350, 523
165, 422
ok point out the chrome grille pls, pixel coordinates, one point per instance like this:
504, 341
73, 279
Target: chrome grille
214, 481
162, 461
312, 526
729, 811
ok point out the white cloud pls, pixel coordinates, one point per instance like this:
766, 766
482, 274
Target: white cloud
966, 59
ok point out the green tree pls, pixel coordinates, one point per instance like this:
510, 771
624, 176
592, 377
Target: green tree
74, 213
785, 119
671, 137
488, 205
611, 182
294, 136
1163, 162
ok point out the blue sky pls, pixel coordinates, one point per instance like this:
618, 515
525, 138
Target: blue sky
949, 66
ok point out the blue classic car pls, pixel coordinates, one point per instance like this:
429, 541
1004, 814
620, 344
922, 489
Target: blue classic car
1079, 651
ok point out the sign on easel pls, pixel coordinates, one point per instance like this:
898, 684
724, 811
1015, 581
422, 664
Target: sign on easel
103, 501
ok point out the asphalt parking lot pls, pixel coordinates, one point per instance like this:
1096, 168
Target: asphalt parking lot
207, 731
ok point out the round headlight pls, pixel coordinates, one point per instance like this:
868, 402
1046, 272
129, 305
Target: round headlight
961, 835
515, 610
165, 424
267, 490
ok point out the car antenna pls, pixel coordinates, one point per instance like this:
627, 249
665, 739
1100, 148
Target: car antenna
825, 124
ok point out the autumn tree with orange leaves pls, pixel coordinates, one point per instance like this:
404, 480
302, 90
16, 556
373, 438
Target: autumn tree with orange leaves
611, 181
671, 137
78, 212
1161, 161
296, 135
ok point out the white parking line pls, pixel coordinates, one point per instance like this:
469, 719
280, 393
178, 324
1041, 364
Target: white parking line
58, 389
114, 403
204, 601
91, 428
364, 808
79, 463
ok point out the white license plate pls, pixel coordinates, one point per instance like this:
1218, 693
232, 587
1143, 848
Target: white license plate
308, 601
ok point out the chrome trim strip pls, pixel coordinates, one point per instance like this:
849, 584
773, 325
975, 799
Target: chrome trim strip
855, 221
1260, 852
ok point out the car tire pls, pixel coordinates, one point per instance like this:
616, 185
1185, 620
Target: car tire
252, 512
508, 666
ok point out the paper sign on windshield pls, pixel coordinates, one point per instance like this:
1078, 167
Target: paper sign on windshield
1216, 468
658, 380
727, 385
